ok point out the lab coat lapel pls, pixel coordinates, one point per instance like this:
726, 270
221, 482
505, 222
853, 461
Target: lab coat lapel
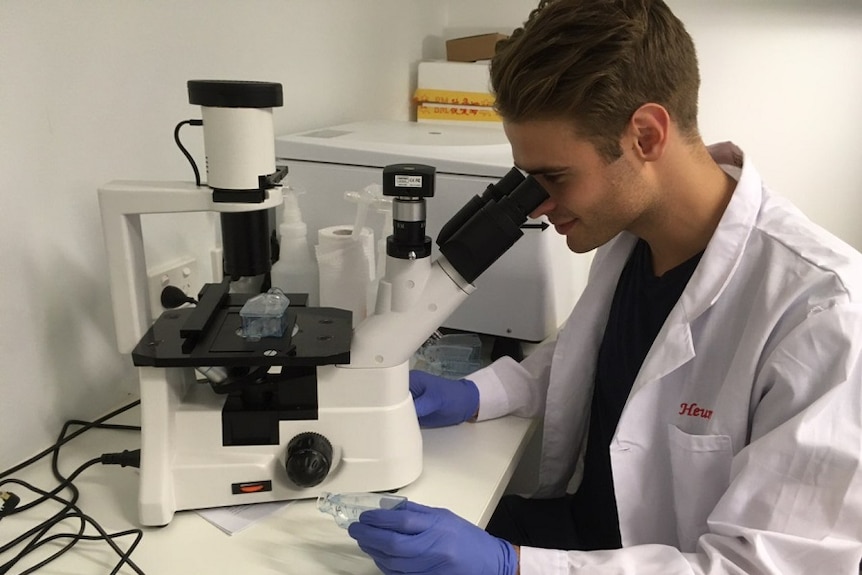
674, 346
573, 369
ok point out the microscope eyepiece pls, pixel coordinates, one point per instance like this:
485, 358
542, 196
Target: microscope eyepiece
524, 199
493, 193
506, 185
492, 227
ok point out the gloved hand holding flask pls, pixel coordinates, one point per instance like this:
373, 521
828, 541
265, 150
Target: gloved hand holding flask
430, 541
440, 402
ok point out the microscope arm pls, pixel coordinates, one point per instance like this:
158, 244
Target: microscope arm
121, 204
413, 300
416, 297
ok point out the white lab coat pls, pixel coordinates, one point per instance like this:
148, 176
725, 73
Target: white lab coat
738, 450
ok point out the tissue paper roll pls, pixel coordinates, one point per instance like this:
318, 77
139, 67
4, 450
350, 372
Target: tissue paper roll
347, 269
341, 237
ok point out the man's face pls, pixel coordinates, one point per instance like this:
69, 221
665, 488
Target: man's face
591, 200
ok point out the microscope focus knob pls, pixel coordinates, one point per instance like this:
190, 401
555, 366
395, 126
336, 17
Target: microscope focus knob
309, 457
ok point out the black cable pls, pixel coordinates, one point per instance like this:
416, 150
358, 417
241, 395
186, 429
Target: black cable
76, 537
45, 452
124, 555
64, 484
24, 536
44, 527
183, 148
70, 510
87, 425
40, 530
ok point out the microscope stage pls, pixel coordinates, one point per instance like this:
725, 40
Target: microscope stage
314, 336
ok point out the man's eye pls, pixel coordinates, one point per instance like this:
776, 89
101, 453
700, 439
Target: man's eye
553, 178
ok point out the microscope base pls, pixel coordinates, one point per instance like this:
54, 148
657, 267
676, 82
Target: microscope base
366, 414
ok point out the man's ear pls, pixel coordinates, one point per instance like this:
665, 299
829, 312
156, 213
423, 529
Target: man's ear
649, 127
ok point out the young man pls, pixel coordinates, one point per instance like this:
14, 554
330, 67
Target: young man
710, 377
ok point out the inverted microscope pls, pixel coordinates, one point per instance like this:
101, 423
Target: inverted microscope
323, 407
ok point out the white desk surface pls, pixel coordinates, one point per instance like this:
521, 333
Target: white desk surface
466, 469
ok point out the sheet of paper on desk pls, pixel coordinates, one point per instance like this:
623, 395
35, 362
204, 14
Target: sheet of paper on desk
236, 518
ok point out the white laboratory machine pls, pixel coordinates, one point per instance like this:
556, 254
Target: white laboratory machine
318, 405
524, 296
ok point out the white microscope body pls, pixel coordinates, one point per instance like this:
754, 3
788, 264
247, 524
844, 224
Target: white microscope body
323, 408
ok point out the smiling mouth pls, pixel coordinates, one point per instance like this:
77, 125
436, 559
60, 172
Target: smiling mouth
564, 228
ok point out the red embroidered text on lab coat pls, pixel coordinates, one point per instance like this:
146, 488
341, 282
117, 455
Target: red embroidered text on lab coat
692, 410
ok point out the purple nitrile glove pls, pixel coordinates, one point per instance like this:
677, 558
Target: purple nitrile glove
424, 540
440, 401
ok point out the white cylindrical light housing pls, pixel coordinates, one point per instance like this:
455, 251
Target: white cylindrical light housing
239, 138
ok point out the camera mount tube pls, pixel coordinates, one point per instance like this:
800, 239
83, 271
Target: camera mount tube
246, 243
410, 184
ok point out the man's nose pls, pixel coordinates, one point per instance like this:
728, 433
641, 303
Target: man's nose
544, 208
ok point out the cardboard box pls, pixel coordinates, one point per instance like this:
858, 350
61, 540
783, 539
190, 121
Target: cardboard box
473, 48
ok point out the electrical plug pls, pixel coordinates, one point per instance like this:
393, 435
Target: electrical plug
124, 459
8, 502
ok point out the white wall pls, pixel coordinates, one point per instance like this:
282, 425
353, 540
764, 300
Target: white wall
90, 91
784, 81
781, 78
